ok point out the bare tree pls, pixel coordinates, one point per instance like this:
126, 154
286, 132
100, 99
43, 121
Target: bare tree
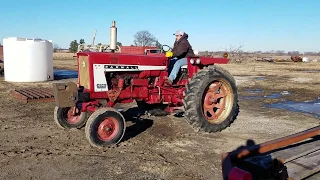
235, 53
293, 53
119, 44
144, 38
280, 52
55, 47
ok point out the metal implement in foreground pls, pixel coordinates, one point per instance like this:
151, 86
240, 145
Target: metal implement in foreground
289, 158
206, 93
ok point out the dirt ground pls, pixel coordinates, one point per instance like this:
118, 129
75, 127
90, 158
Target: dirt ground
32, 146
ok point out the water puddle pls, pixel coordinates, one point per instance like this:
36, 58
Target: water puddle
310, 107
269, 96
273, 96
310, 71
260, 78
254, 90
64, 74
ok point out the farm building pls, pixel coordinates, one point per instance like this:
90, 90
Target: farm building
1, 52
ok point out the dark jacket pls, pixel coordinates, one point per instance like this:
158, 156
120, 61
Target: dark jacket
182, 48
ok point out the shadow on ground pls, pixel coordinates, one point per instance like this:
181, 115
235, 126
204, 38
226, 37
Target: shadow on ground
139, 124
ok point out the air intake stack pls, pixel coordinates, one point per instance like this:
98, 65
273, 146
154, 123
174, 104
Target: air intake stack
113, 37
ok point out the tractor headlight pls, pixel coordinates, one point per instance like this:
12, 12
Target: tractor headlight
192, 61
198, 61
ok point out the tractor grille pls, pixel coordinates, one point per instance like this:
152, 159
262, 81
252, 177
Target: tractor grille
84, 76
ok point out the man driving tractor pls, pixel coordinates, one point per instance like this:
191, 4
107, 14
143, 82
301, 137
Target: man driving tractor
181, 50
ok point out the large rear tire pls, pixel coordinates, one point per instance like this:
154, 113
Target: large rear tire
105, 127
211, 100
66, 119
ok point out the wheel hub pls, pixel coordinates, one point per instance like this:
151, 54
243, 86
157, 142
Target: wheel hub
73, 115
108, 129
214, 102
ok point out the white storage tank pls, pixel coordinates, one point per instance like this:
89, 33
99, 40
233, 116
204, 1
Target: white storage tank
27, 60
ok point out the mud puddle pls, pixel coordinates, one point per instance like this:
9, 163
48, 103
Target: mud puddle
253, 91
309, 107
260, 78
309, 71
64, 74
255, 95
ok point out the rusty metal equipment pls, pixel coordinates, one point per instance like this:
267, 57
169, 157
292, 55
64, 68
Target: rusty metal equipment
296, 58
1, 52
33, 94
1, 61
1, 68
292, 157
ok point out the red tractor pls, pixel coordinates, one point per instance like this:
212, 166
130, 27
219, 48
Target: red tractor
206, 93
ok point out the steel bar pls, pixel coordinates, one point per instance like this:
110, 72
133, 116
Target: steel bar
275, 144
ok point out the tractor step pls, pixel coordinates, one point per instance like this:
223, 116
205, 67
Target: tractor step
33, 94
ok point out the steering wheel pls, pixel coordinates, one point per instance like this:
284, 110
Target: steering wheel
169, 48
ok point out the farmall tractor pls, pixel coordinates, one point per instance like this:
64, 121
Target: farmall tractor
206, 93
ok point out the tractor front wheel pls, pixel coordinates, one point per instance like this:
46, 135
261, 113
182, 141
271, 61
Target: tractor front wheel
211, 100
105, 127
69, 117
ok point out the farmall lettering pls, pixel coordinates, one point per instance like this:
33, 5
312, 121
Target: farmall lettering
204, 92
107, 67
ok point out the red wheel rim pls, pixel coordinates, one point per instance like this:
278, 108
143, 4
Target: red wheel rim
72, 115
108, 129
216, 102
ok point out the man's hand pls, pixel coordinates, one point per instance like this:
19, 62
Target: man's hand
169, 54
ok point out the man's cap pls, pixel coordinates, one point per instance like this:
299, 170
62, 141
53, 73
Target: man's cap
179, 32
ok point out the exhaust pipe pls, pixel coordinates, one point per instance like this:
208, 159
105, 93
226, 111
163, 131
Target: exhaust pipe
113, 37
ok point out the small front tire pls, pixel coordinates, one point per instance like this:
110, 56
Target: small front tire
66, 119
105, 127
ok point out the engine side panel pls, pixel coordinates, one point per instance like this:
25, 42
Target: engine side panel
99, 70
100, 82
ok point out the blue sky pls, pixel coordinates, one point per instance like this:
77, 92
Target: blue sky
211, 24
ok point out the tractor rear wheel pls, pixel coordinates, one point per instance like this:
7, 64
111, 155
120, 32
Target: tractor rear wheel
211, 100
105, 127
69, 117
